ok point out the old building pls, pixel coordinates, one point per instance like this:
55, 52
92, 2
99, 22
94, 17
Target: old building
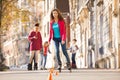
96, 23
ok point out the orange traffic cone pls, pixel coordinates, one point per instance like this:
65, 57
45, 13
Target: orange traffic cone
56, 73
51, 70
50, 76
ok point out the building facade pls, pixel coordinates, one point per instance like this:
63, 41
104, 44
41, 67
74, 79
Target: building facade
96, 23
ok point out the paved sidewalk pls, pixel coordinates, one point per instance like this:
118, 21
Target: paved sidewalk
80, 74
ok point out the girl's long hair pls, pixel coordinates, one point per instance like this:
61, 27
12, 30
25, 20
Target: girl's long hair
59, 15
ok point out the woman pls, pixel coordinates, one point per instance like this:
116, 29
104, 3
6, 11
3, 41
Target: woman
35, 46
58, 34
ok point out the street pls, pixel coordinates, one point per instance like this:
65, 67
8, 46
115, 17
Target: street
80, 74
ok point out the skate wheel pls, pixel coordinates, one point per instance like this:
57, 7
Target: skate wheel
70, 71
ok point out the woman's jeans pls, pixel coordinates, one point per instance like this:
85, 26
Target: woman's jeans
57, 42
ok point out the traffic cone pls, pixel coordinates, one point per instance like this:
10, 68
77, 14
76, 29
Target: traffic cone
50, 76
53, 71
56, 73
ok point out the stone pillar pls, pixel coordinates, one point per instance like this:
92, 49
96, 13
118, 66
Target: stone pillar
68, 30
119, 38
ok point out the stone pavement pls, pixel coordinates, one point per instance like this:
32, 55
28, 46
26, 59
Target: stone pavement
77, 74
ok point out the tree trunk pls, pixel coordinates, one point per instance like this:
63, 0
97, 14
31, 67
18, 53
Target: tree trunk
0, 22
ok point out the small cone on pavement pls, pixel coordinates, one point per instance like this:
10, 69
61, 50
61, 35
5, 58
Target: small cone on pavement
51, 70
50, 76
56, 73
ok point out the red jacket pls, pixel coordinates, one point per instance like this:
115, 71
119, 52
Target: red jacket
62, 28
35, 44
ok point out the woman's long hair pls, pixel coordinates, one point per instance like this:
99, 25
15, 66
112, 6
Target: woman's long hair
59, 15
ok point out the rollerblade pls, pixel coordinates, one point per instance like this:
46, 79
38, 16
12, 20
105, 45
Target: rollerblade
59, 68
69, 67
